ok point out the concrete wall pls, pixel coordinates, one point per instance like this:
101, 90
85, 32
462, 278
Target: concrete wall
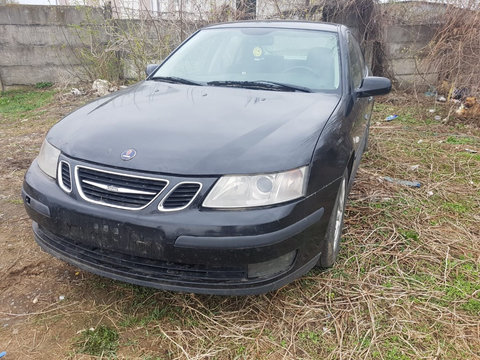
38, 43
408, 28
42, 43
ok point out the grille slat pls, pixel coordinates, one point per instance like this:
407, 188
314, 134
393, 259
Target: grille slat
111, 195
181, 196
89, 188
106, 197
116, 180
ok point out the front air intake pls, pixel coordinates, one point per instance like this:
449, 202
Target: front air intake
64, 176
181, 196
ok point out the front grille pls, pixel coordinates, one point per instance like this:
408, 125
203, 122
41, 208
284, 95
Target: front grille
181, 196
116, 189
139, 268
64, 179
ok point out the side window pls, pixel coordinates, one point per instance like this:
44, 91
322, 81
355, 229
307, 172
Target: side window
357, 64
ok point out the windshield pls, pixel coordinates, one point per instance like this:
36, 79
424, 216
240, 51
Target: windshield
305, 59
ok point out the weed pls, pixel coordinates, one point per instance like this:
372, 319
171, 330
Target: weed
396, 354
15, 201
17, 103
241, 350
43, 85
310, 336
155, 315
455, 207
409, 234
388, 284
102, 341
472, 306
460, 140
470, 156
365, 342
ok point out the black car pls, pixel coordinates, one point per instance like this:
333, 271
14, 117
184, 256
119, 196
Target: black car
225, 172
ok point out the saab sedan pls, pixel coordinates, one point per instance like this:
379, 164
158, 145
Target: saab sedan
226, 171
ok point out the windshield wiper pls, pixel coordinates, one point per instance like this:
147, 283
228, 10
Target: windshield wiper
260, 84
176, 80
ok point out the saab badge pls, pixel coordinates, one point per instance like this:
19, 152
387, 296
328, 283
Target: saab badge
128, 154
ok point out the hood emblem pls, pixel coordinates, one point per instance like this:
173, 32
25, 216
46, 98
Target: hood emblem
128, 154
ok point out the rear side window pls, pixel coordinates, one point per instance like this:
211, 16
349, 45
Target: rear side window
357, 63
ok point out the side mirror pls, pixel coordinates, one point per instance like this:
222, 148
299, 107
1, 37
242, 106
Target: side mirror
150, 68
374, 85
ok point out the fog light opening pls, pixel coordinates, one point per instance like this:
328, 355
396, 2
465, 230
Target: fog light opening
271, 267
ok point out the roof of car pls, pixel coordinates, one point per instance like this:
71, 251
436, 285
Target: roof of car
304, 25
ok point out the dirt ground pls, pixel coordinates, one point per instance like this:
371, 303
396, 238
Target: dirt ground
46, 305
31, 282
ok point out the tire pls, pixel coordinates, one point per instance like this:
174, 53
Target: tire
331, 244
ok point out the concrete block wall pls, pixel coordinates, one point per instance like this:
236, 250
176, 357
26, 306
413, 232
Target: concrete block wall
159, 37
405, 46
39, 43
408, 28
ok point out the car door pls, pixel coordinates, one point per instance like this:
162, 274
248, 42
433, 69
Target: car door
361, 108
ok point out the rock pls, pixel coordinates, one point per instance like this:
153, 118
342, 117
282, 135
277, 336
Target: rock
101, 87
75, 92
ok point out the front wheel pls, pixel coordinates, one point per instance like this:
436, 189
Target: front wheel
331, 244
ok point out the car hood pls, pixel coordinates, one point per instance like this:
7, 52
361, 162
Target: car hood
196, 130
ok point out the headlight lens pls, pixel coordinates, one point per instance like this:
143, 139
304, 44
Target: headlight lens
241, 191
48, 158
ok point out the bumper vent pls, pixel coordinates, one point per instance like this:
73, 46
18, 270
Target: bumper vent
181, 196
117, 189
64, 177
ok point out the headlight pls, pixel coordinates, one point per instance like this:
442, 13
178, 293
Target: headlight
48, 158
241, 191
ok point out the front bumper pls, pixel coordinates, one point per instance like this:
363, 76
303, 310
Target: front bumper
195, 250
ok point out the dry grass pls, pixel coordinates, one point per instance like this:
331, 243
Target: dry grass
453, 53
406, 285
